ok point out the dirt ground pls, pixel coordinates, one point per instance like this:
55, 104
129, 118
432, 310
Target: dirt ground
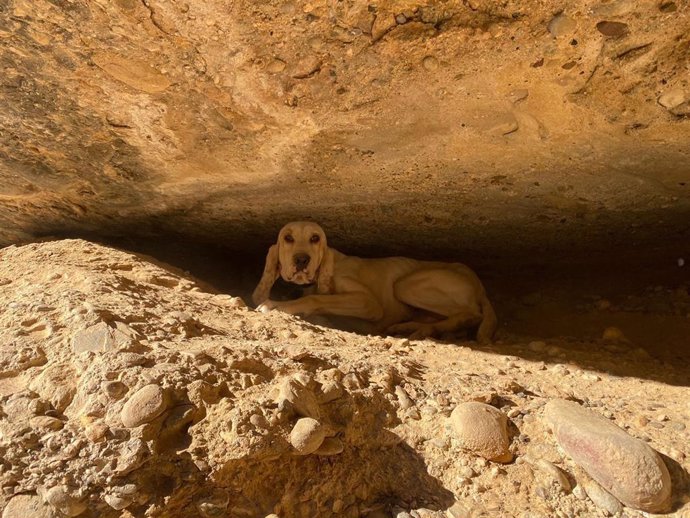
85, 328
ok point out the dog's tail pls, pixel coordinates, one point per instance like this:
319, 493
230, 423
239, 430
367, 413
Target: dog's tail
489, 321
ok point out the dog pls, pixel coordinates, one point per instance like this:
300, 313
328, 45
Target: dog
392, 295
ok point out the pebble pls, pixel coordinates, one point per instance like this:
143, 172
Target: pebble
330, 446
483, 430
602, 498
144, 406
626, 467
300, 397
612, 29
553, 472
60, 498
307, 435
45, 422
430, 63
403, 398
96, 432
27, 506
114, 389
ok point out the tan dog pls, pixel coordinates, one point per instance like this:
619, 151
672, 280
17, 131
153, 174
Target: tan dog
395, 295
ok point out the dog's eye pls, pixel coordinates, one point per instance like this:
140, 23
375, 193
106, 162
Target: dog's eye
315, 238
289, 239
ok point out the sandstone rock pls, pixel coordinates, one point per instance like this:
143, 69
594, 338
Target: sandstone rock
307, 435
63, 500
626, 467
300, 397
101, 338
483, 430
552, 472
96, 432
121, 497
114, 389
28, 506
144, 406
612, 29
330, 446
46, 423
602, 498
14, 360
330, 391
57, 384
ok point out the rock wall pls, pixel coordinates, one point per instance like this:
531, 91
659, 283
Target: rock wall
476, 125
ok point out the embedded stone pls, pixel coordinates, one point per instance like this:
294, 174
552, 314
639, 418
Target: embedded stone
483, 430
307, 435
144, 406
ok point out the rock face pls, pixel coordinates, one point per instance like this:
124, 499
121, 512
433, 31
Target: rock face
626, 467
482, 429
209, 118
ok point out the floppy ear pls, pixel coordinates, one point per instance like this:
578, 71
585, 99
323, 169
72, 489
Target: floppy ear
324, 282
271, 272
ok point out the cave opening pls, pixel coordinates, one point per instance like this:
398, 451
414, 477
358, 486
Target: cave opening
612, 288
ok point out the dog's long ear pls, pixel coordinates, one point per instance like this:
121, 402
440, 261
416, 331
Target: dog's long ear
324, 282
268, 279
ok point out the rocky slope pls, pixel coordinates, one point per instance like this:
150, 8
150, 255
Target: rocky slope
126, 390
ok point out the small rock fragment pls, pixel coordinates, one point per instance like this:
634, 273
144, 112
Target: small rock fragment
121, 497
57, 384
45, 422
553, 472
96, 432
602, 498
302, 399
626, 467
307, 435
330, 446
61, 499
483, 430
144, 406
612, 29
403, 398
101, 338
561, 25
430, 63
114, 389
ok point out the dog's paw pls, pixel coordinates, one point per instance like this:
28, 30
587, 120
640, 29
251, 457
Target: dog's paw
266, 306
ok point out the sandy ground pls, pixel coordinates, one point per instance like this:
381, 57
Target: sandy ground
129, 390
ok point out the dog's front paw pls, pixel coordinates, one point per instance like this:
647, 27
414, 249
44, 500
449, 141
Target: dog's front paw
266, 306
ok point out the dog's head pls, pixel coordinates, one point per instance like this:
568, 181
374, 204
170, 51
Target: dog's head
302, 248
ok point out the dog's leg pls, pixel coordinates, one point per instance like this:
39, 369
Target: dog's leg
356, 304
268, 279
456, 295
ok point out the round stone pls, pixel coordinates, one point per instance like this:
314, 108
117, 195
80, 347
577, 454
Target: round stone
483, 430
307, 435
144, 406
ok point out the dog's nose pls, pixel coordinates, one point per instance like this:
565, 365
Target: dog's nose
301, 261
